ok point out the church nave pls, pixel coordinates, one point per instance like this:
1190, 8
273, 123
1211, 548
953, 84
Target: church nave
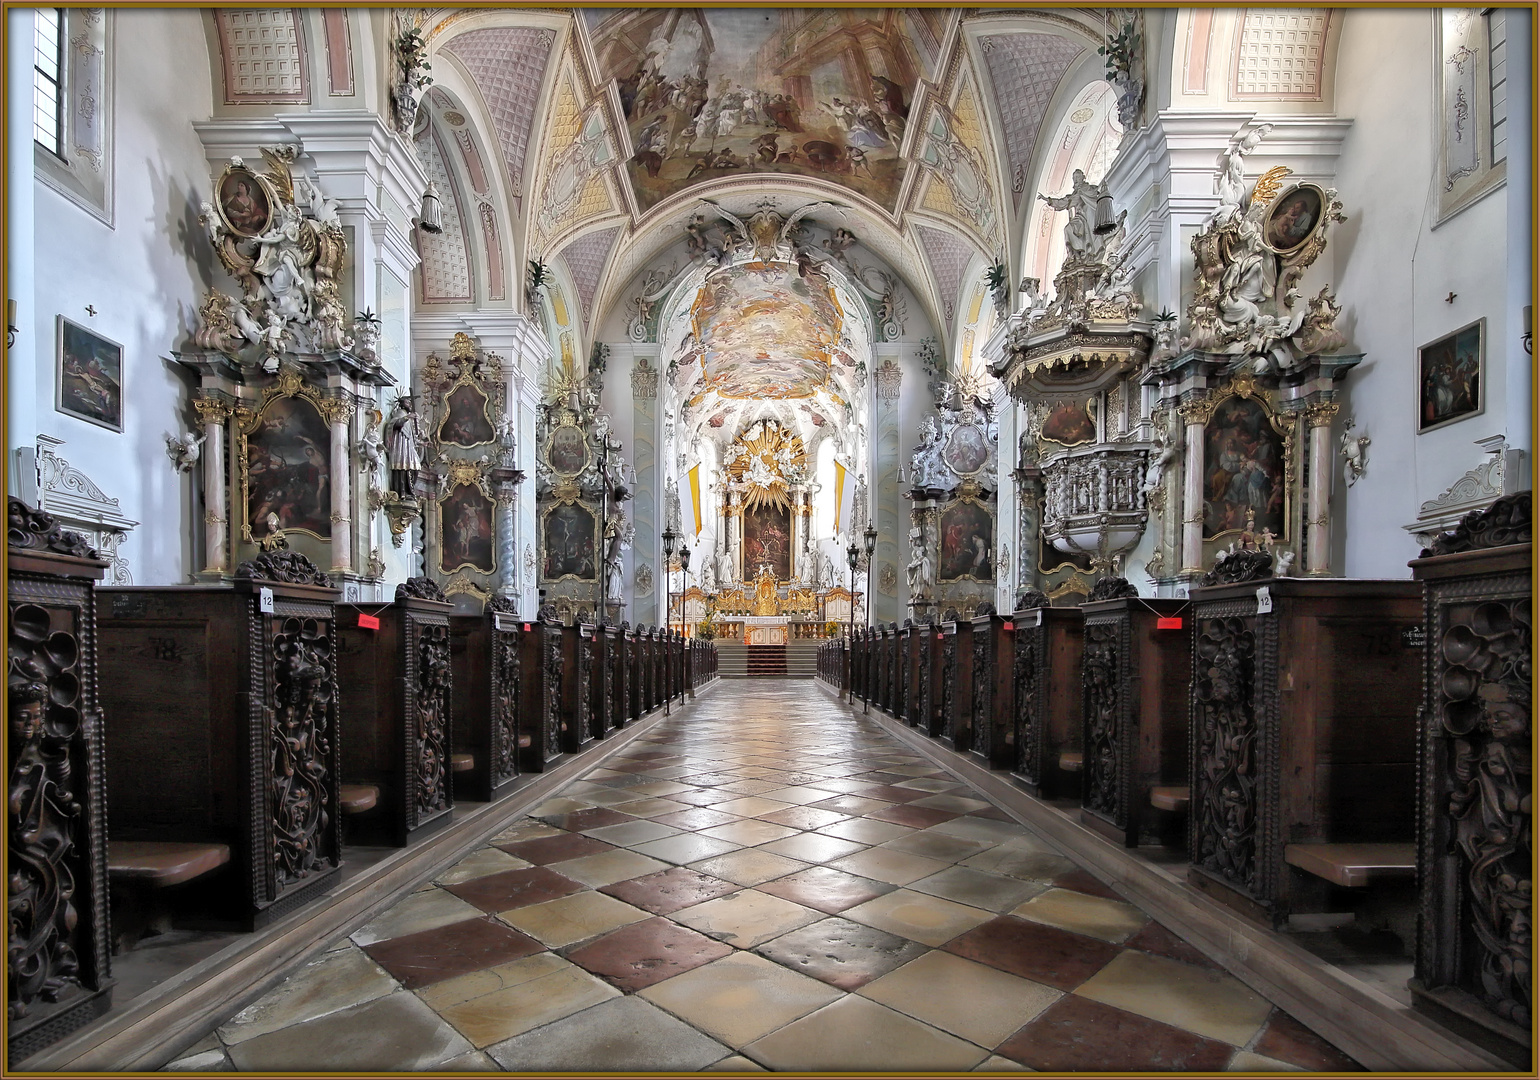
765, 880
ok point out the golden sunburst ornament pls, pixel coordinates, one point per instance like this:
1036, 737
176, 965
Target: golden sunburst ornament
759, 457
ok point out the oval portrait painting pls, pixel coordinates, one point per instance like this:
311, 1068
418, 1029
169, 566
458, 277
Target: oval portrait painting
967, 450
1293, 218
569, 450
243, 203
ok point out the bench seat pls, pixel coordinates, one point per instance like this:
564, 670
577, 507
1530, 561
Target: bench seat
1173, 798
160, 864
1354, 865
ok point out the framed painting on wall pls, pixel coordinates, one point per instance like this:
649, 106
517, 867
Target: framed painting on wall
286, 468
569, 546
465, 531
1450, 382
967, 542
89, 376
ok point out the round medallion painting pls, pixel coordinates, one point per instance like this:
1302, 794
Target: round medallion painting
967, 450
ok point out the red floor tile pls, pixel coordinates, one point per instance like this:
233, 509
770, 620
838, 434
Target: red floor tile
644, 953
1044, 954
515, 888
549, 849
1079, 1035
669, 890
916, 817
460, 948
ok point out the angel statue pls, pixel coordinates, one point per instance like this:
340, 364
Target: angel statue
184, 451
1231, 182
371, 448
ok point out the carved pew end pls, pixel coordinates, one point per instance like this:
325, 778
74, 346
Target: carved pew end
139, 869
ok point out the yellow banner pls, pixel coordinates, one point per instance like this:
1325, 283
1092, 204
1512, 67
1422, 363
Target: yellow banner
695, 495
839, 494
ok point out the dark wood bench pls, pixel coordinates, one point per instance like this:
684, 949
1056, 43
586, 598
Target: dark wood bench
1303, 732
1354, 866
485, 651
396, 687
221, 711
1047, 701
1135, 670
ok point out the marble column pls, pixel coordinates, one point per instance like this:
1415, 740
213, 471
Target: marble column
1195, 414
507, 548
216, 511
1318, 418
338, 412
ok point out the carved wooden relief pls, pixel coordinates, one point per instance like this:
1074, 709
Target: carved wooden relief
302, 723
46, 858
551, 691
948, 685
1100, 673
1485, 685
922, 681
612, 717
506, 694
981, 698
1475, 836
1028, 681
1225, 734
432, 734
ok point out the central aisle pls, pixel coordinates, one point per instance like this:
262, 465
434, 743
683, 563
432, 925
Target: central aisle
766, 881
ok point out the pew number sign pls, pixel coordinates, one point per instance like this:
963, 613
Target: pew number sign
1264, 600
265, 600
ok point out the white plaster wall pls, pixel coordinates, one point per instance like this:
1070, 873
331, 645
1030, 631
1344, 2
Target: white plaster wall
144, 278
1393, 271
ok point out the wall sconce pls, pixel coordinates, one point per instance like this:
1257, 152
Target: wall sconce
431, 219
10, 323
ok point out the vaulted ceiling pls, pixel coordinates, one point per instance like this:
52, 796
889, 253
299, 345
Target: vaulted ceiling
607, 127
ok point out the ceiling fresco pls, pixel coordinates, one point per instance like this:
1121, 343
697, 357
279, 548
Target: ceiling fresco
715, 93
765, 330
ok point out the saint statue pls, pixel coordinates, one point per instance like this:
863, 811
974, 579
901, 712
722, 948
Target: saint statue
403, 444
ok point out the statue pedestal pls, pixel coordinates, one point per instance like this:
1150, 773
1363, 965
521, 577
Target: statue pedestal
764, 630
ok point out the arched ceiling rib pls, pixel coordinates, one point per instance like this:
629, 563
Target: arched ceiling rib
507, 64
873, 79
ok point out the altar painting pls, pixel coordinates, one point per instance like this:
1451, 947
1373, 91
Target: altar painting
767, 540
569, 547
967, 540
465, 531
287, 471
465, 418
1243, 469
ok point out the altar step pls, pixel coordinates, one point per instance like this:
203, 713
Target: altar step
767, 660
798, 659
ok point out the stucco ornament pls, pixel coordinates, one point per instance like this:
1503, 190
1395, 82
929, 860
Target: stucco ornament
1248, 261
281, 239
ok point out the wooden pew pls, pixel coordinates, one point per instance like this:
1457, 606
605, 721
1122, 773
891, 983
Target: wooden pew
917, 697
488, 680
612, 687
1136, 667
397, 692
994, 740
1046, 697
59, 963
223, 721
631, 636
1302, 731
541, 718
1476, 781
957, 683
577, 674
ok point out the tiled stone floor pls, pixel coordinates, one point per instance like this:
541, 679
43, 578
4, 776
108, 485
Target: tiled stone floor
765, 882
